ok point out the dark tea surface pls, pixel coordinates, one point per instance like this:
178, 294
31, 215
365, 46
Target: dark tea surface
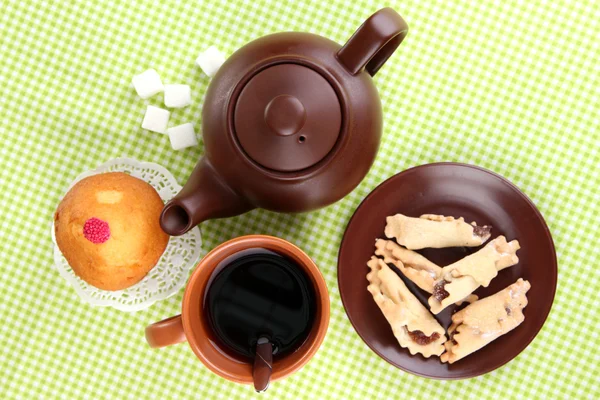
259, 293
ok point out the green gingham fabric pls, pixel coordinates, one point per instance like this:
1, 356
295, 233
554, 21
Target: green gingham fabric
510, 86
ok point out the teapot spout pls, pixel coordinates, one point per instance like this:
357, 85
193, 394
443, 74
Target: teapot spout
204, 196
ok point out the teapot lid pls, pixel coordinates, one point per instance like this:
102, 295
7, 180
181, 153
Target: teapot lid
287, 117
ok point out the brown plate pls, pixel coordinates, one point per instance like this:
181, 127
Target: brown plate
459, 190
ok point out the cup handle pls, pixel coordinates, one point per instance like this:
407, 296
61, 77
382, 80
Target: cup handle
373, 42
166, 332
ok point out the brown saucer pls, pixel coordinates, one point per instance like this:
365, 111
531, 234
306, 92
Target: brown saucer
456, 190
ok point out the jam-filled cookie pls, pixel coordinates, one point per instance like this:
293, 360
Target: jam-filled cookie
486, 320
414, 266
435, 231
413, 326
460, 279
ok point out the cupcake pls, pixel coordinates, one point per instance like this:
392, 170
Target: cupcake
107, 227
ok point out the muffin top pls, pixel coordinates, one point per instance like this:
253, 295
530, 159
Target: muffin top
107, 227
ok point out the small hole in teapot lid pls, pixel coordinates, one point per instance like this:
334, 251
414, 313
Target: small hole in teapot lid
301, 139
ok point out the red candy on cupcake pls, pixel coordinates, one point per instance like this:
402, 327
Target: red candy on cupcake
96, 231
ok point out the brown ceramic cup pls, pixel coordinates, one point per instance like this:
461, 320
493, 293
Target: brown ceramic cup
193, 326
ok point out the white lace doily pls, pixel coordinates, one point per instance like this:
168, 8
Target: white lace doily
171, 272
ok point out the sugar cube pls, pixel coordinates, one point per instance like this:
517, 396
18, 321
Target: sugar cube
178, 96
210, 60
147, 83
182, 136
156, 119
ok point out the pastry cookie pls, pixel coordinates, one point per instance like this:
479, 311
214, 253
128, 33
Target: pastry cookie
462, 278
435, 231
414, 266
413, 326
485, 320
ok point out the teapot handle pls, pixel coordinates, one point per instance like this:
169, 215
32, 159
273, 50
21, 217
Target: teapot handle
373, 42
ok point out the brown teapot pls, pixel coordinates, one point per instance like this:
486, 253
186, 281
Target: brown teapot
291, 122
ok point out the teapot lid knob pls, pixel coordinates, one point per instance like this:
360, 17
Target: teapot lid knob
287, 117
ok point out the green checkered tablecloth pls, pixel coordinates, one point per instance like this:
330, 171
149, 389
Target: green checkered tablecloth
512, 87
